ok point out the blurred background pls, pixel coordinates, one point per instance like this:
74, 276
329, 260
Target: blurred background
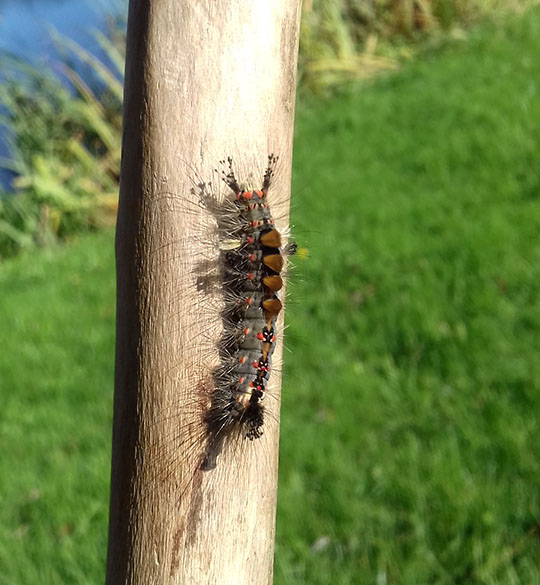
409, 450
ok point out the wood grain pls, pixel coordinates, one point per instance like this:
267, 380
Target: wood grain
204, 80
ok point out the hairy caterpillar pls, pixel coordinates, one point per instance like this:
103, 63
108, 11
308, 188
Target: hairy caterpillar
251, 261
215, 395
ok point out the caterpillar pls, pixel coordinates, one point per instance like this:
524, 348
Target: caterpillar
251, 262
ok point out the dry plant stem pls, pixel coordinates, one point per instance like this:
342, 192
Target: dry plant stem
204, 80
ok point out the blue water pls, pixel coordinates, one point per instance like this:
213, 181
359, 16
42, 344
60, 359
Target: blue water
25, 27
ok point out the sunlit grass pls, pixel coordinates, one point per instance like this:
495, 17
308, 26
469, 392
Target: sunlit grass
410, 411
56, 366
64, 138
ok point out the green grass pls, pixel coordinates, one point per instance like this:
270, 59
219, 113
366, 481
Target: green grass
56, 376
410, 412
409, 447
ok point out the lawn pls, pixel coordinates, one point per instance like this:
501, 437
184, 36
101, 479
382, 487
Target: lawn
56, 376
409, 450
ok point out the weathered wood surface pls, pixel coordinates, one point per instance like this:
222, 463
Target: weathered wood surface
204, 80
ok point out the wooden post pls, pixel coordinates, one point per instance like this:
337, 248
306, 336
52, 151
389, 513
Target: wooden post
204, 80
